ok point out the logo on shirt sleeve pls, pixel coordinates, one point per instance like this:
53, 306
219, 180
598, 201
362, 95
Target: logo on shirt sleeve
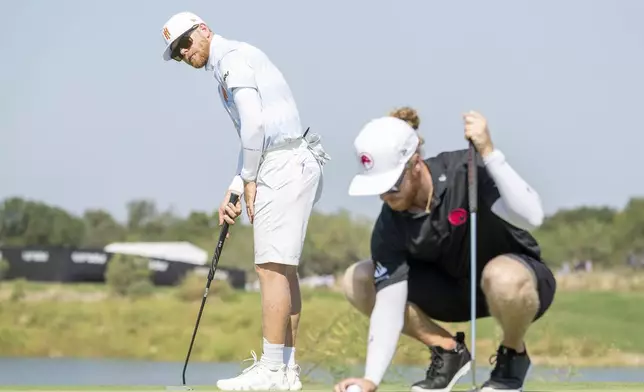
380, 273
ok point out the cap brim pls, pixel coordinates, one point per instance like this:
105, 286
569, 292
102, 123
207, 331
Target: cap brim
375, 184
167, 52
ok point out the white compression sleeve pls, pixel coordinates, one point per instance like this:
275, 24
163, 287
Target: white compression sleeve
249, 106
385, 326
519, 204
237, 184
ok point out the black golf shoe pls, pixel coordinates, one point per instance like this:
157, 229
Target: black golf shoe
446, 367
509, 372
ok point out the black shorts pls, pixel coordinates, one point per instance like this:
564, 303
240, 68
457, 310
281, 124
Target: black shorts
444, 298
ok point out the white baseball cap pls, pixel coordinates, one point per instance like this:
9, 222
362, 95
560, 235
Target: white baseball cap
383, 147
175, 26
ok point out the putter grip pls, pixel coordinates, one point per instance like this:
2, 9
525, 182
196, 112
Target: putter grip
472, 180
233, 198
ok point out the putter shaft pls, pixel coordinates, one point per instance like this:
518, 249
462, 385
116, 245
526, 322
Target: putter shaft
473, 206
211, 276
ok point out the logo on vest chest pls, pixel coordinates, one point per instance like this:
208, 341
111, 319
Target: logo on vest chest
457, 216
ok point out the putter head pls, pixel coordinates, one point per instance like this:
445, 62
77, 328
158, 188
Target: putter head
179, 388
474, 389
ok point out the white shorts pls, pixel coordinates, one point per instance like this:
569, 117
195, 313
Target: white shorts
289, 183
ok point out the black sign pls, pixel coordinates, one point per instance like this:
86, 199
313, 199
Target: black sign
35, 263
55, 264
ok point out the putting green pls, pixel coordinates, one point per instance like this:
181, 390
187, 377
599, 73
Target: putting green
530, 387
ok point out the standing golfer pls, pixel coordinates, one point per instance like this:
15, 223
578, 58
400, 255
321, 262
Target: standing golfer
420, 250
279, 172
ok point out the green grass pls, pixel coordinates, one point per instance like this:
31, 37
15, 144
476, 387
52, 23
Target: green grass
581, 329
530, 387
610, 318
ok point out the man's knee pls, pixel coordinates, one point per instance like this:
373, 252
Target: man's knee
357, 276
505, 277
272, 269
358, 286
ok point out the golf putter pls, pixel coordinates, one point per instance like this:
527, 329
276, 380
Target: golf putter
211, 276
473, 206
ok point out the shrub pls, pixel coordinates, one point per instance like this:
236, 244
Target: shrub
191, 287
129, 276
224, 291
19, 291
193, 284
4, 268
141, 288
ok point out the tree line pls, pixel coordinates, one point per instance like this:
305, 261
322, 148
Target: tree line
604, 235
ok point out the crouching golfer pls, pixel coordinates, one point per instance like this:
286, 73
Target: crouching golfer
420, 251
280, 174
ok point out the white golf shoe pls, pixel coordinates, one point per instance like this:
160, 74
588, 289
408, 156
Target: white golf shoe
293, 377
257, 377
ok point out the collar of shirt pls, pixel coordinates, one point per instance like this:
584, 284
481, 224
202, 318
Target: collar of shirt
437, 169
219, 47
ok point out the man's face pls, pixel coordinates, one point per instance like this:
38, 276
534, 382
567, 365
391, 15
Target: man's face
402, 196
193, 47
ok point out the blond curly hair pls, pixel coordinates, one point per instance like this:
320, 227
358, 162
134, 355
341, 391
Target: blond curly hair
410, 116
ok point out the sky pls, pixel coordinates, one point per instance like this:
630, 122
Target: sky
92, 117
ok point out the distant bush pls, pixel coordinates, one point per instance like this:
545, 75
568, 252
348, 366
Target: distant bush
129, 276
4, 268
193, 284
142, 288
191, 287
19, 291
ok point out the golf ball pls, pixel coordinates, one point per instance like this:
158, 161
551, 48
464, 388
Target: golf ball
354, 388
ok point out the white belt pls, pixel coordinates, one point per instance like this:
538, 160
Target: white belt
312, 141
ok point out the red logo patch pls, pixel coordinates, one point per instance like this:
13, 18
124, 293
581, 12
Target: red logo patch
457, 217
366, 161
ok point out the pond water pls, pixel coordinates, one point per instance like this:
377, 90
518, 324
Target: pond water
68, 371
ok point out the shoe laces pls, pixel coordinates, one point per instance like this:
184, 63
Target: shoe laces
501, 362
295, 368
435, 364
255, 362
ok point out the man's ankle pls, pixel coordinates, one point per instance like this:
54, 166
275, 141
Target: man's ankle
519, 348
272, 355
447, 344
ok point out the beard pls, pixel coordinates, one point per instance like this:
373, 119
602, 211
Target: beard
200, 57
198, 60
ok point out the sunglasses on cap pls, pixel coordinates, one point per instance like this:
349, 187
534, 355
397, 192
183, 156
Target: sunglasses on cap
396, 187
183, 42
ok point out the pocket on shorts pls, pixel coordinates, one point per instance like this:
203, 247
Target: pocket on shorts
276, 173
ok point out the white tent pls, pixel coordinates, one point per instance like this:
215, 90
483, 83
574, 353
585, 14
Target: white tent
184, 252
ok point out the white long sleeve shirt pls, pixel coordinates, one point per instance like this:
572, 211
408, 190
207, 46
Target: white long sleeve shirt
258, 100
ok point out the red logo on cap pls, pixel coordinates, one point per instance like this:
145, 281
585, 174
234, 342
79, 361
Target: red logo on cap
366, 161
